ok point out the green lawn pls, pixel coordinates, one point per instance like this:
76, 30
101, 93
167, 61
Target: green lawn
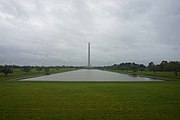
95, 101
18, 73
170, 76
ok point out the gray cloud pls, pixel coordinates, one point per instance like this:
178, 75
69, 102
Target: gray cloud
56, 32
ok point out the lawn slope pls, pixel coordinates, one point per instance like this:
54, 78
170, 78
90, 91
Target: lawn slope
58, 100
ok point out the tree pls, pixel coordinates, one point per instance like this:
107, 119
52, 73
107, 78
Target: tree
134, 67
46, 69
6, 70
141, 67
152, 67
122, 66
26, 69
1, 68
163, 65
39, 69
115, 67
174, 66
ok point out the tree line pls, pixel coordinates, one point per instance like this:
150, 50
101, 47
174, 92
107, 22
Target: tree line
8, 69
172, 66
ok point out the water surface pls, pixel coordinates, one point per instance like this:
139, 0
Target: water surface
89, 75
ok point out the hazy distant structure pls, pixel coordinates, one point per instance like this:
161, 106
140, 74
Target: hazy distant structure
89, 64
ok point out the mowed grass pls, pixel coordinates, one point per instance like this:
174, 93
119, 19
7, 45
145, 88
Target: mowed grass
170, 76
19, 74
94, 101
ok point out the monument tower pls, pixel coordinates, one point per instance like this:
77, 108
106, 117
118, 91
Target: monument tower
89, 64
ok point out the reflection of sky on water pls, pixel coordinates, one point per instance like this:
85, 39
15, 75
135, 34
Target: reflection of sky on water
90, 75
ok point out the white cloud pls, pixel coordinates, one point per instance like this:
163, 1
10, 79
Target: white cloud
56, 32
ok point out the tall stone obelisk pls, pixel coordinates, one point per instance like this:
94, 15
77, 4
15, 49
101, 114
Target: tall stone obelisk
89, 64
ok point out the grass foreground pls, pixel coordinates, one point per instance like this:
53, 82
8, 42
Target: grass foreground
94, 101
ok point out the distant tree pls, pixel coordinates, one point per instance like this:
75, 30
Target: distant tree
46, 69
122, 66
141, 67
1, 68
152, 67
39, 69
134, 67
6, 70
115, 67
163, 65
158, 68
126, 66
26, 69
174, 66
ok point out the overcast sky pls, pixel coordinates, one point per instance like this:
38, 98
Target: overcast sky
57, 32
